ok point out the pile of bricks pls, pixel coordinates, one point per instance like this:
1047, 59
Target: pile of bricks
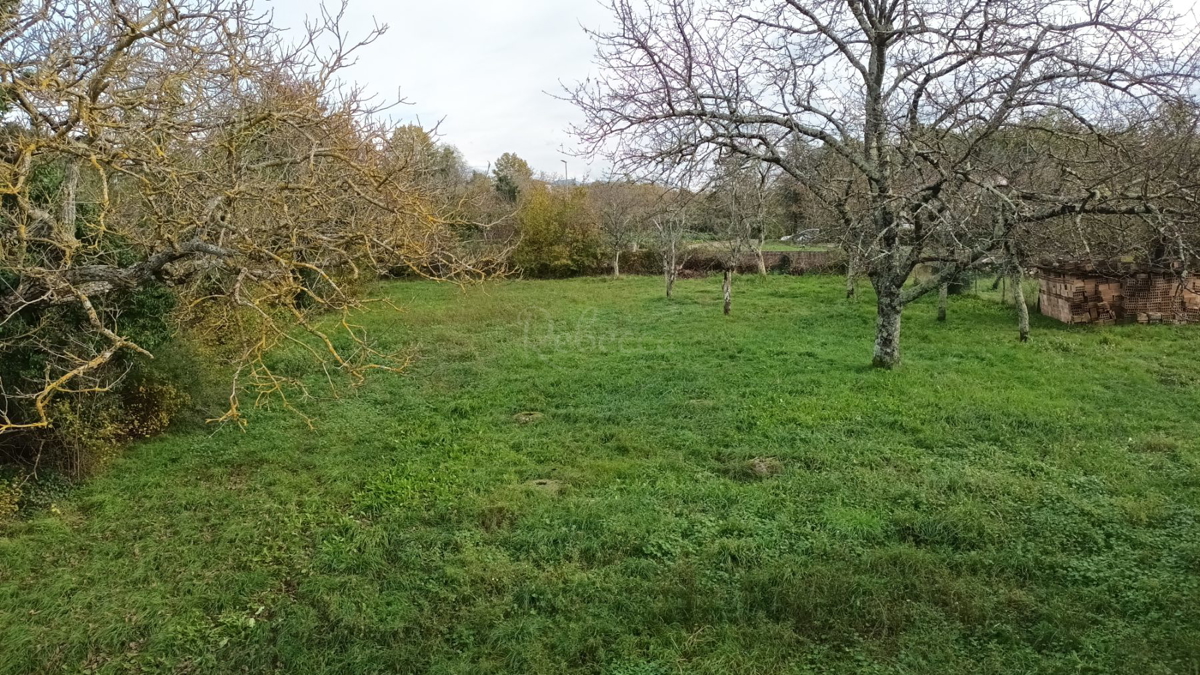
1074, 295
1148, 297
1163, 299
1191, 300
1072, 299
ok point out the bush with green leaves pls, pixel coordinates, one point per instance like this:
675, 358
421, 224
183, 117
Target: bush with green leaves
91, 424
558, 235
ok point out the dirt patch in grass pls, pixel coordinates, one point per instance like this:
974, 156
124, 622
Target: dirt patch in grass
547, 485
528, 417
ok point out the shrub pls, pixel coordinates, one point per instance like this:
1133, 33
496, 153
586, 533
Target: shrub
10, 499
134, 398
558, 236
87, 434
151, 406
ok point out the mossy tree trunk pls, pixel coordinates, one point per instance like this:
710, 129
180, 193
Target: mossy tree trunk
670, 269
1018, 279
727, 288
851, 278
887, 325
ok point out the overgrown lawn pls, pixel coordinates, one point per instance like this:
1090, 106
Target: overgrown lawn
582, 476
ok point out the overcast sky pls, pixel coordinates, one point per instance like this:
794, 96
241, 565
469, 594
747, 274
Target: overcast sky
478, 66
482, 68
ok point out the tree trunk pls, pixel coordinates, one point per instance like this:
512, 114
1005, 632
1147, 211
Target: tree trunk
1022, 308
887, 327
727, 287
670, 268
943, 295
851, 280
617, 264
761, 240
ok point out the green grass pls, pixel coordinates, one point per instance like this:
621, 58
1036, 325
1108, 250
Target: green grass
988, 508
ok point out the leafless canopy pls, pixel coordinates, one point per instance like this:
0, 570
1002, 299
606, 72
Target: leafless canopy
914, 111
621, 209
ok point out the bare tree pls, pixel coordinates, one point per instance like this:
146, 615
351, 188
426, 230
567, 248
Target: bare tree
671, 222
194, 149
739, 189
621, 208
916, 97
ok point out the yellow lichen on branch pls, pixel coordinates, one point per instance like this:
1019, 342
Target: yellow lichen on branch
227, 169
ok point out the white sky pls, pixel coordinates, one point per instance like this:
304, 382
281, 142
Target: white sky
481, 67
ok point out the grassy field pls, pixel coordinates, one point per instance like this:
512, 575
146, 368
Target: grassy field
581, 476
